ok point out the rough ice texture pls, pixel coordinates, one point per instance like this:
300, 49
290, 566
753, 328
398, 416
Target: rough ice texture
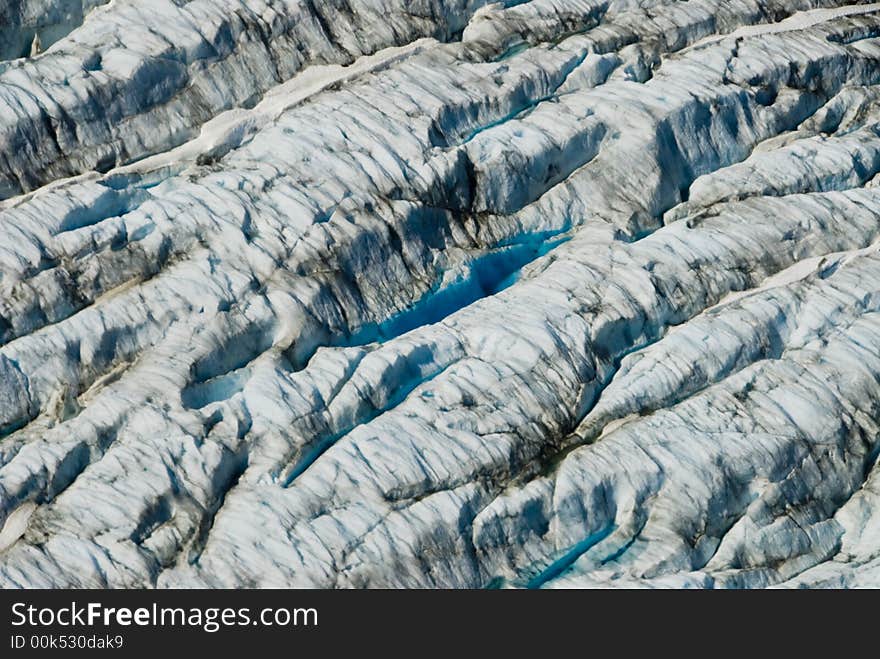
377, 293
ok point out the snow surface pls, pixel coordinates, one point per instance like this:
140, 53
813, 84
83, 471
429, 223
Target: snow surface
557, 293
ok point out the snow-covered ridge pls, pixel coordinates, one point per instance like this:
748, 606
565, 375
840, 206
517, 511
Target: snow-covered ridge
530, 294
141, 77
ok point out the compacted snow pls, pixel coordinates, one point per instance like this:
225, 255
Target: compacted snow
380, 293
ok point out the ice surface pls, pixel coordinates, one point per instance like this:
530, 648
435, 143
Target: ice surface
556, 293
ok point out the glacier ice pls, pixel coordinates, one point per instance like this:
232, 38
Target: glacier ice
555, 293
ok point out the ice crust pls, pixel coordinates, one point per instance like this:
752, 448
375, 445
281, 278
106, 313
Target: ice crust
382, 293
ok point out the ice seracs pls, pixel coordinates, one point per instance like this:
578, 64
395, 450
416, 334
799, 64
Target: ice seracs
524, 294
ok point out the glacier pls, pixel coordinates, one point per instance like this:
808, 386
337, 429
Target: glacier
439, 293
